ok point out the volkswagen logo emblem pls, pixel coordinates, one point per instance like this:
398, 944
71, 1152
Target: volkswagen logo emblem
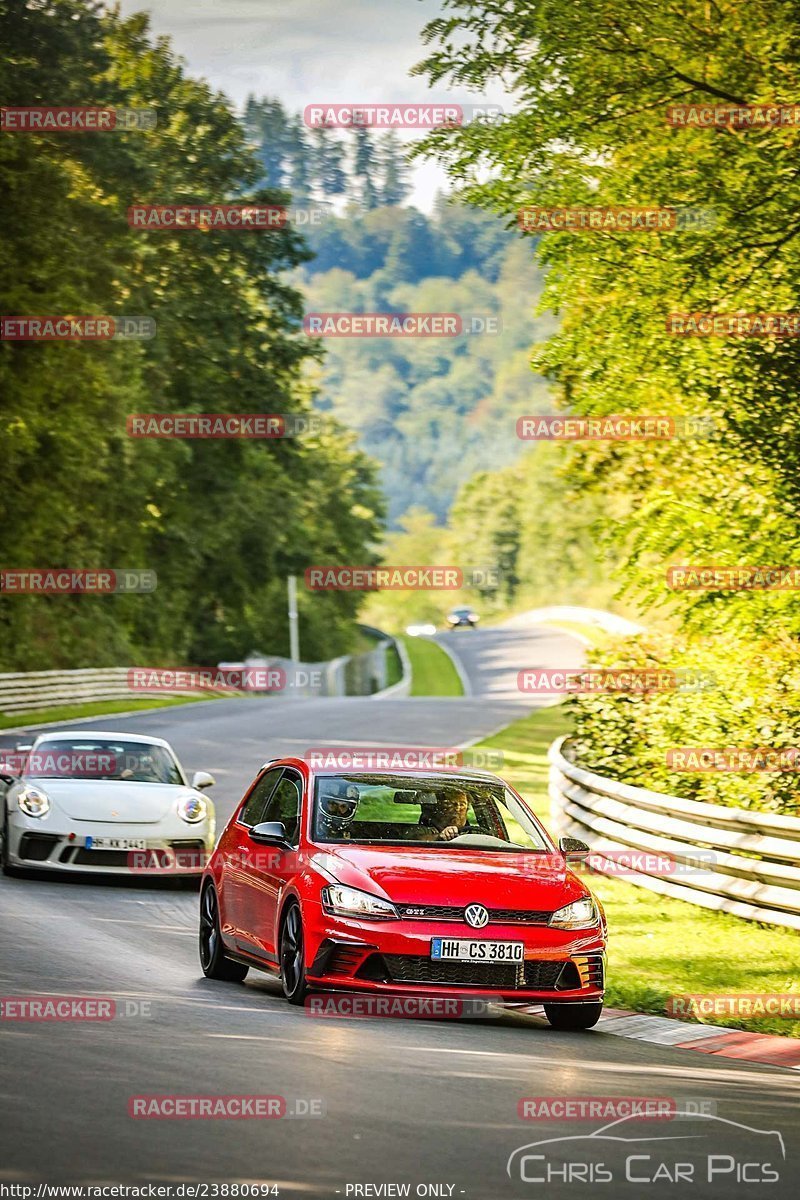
476, 915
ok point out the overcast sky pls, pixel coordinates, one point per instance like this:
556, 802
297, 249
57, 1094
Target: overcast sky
304, 51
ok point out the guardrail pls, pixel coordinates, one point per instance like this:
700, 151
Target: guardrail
732, 860
31, 690
351, 675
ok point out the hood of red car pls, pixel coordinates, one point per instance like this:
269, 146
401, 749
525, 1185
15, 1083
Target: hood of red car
444, 876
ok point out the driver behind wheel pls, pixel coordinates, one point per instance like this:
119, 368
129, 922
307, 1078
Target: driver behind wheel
338, 805
447, 818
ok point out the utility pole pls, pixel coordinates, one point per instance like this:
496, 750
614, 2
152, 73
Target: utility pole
294, 638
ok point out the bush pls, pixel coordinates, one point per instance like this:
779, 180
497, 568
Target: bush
750, 700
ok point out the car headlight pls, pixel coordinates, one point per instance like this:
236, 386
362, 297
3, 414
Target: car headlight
192, 809
33, 802
348, 902
580, 914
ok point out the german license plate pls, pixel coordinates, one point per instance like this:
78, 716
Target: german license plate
471, 950
112, 843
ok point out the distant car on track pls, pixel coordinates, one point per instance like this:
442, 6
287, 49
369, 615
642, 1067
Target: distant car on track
409, 883
462, 618
103, 802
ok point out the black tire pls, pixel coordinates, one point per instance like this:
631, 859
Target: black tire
5, 865
574, 1016
213, 960
292, 956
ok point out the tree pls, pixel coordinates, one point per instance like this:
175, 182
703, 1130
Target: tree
329, 163
268, 128
221, 522
365, 169
394, 184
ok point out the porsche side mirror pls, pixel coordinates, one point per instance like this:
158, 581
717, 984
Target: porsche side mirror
202, 779
573, 849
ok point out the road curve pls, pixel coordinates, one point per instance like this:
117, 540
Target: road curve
405, 1102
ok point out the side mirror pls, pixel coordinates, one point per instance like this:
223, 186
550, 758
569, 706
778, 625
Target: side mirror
573, 849
269, 833
202, 779
23, 747
7, 779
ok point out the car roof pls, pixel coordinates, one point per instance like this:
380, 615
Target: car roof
447, 772
97, 734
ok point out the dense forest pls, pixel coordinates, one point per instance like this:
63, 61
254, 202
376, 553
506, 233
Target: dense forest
220, 522
432, 413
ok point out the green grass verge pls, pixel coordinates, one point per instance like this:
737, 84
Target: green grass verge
659, 947
394, 667
71, 712
432, 670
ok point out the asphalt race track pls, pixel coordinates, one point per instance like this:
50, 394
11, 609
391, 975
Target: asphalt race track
396, 1102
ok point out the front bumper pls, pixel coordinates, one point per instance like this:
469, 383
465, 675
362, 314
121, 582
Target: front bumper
395, 957
46, 845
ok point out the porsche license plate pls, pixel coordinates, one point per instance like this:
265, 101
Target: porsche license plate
112, 843
469, 950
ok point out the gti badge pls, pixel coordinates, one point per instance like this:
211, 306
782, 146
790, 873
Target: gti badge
476, 915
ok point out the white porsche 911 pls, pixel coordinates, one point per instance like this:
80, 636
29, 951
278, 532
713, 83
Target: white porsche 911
103, 802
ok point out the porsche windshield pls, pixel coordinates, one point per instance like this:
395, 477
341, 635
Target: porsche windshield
427, 810
90, 758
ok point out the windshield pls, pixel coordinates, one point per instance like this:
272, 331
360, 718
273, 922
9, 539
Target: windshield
89, 758
424, 811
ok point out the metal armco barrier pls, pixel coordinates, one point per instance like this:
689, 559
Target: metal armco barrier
732, 860
32, 690
351, 675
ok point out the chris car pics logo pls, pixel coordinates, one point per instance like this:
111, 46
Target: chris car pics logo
699, 1148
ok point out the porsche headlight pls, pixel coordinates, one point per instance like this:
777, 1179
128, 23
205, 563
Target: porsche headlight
33, 802
348, 902
580, 914
193, 809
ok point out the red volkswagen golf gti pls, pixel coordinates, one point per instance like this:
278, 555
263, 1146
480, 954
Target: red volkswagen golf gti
420, 883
